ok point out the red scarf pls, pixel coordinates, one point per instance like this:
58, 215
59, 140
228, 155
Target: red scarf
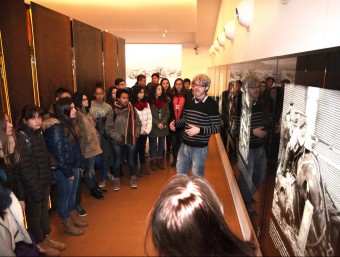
140, 105
130, 136
158, 102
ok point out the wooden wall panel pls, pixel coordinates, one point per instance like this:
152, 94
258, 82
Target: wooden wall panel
87, 43
52, 37
121, 58
110, 49
16, 55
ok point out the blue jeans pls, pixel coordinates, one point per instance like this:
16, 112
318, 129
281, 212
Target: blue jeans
130, 158
153, 146
191, 156
103, 166
67, 190
251, 177
89, 173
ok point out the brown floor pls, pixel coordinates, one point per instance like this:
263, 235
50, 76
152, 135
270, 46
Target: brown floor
117, 224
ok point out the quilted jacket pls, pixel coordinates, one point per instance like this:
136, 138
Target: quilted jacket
66, 153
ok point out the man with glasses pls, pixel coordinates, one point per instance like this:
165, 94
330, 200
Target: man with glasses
200, 120
253, 172
120, 83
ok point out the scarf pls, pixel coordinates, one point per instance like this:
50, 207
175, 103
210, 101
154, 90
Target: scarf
130, 136
10, 146
140, 105
158, 102
178, 102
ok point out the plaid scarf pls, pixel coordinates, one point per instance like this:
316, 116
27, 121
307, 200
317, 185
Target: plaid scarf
130, 136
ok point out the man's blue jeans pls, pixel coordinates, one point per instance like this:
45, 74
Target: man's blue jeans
67, 190
251, 177
130, 151
191, 157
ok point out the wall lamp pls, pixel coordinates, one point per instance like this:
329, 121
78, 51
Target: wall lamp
221, 39
212, 50
216, 46
245, 12
229, 30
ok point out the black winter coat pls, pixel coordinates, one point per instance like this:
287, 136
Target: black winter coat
35, 172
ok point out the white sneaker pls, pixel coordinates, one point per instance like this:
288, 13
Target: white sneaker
116, 184
133, 182
102, 183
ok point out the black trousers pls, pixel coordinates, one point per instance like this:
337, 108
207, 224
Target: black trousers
37, 216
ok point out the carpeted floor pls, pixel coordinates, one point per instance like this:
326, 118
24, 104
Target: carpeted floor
118, 223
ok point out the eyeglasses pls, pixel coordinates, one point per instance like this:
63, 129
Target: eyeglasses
85, 99
254, 87
198, 85
178, 84
101, 93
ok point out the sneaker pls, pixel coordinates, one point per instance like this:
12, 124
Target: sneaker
81, 211
133, 182
116, 184
110, 176
102, 183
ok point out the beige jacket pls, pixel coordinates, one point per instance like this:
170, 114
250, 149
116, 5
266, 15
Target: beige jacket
89, 136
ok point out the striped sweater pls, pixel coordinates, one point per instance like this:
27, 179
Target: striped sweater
204, 115
256, 122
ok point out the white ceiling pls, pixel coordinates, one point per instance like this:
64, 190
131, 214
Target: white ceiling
145, 21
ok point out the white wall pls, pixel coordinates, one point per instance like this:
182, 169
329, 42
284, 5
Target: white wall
277, 29
192, 63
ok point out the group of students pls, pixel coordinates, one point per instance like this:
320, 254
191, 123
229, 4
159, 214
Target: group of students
74, 136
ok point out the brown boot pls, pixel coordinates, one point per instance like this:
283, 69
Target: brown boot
70, 228
54, 243
161, 163
76, 220
49, 250
144, 169
153, 164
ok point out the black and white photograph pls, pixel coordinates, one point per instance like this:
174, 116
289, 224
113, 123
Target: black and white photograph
306, 198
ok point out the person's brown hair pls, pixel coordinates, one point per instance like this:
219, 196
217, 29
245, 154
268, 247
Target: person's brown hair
187, 220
